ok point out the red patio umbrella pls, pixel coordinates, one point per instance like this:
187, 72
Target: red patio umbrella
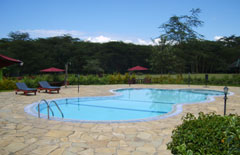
137, 68
52, 69
6, 61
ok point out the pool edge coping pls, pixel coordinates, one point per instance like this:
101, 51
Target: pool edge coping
177, 108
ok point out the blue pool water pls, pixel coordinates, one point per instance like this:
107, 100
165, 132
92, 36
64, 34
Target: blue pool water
128, 104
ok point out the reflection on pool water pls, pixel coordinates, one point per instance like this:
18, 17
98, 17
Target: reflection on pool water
127, 105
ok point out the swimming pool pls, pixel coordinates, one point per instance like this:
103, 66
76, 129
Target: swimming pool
127, 105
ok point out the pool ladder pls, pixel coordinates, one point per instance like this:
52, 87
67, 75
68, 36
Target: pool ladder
49, 108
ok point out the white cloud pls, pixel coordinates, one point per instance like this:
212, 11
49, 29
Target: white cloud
43, 33
51, 33
144, 42
99, 39
128, 41
104, 39
217, 37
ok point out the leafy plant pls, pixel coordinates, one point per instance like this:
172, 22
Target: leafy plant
126, 77
30, 82
207, 134
7, 84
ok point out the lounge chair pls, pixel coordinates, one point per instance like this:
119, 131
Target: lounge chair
24, 88
44, 85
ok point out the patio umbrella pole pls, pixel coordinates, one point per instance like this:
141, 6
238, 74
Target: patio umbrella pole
66, 75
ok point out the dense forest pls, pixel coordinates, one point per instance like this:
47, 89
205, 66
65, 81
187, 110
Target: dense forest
83, 57
180, 49
195, 56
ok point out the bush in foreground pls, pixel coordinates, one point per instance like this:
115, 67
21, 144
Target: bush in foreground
207, 134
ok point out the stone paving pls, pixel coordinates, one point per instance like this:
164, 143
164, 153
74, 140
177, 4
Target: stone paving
21, 133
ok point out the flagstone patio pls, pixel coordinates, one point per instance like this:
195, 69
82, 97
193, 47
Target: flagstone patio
21, 133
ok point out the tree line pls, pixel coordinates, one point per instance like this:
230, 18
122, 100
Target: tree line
195, 56
85, 57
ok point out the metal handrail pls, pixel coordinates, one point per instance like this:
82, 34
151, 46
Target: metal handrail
48, 107
57, 107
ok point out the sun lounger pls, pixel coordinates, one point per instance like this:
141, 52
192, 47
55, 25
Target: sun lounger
44, 85
24, 88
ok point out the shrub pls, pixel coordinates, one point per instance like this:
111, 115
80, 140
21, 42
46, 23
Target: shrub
179, 79
7, 84
156, 80
188, 80
235, 79
126, 77
226, 80
119, 79
133, 78
82, 80
92, 79
198, 80
73, 79
32, 83
147, 79
112, 79
170, 79
104, 79
207, 134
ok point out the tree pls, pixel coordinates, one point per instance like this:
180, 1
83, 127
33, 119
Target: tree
180, 28
232, 41
18, 36
93, 66
231, 51
201, 56
163, 59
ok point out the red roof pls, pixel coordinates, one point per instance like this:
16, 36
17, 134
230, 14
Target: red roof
6, 61
52, 69
137, 68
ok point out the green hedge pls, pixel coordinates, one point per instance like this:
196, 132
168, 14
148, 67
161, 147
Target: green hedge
207, 134
104, 79
9, 84
31, 81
